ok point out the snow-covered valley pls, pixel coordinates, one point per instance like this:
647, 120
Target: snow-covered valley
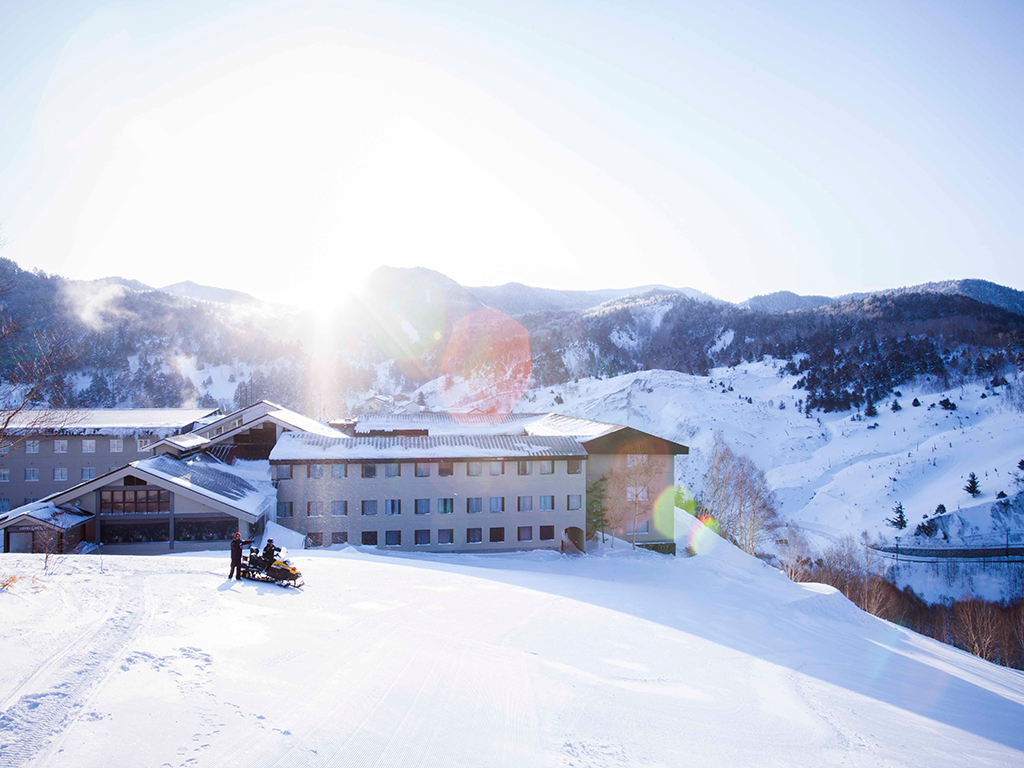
529, 659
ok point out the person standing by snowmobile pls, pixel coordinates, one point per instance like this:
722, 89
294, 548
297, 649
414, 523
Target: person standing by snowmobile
236, 556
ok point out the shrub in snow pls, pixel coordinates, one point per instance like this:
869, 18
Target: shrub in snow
973, 487
916, 403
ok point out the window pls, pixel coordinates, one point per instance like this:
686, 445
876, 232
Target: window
573, 501
314, 471
314, 509
60, 473
525, 533
524, 468
497, 503
339, 537
369, 538
474, 505
547, 466
369, 508
32, 475
422, 537
392, 506
116, 445
284, 509
638, 493
547, 503
573, 466
339, 470
5, 475
339, 508
497, 534
474, 468
636, 459
143, 442
392, 538
422, 469
88, 473
31, 446
314, 539
643, 527
446, 536
497, 467
137, 502
445, 469
5, 505
547, 533
525, 504
88, 446
369, 471
474, 535
422, 506
445, 506
284, 471
60, 446
394, 469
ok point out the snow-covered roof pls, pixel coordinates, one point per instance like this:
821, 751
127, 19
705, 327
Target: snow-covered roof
210, 478
557, 424
444, 423
187, 440
299, 446
288, 418
112, 421
46, 512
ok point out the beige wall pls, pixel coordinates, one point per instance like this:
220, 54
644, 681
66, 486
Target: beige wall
16, 489
659, 477
354, 489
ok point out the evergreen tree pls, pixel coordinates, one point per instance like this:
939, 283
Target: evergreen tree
896, 405
597, 507
973, 487
916, 403
870, 410
940, 510
898, 519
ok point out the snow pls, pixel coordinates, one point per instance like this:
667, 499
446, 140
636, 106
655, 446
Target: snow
527, 659
302, 447
123, 422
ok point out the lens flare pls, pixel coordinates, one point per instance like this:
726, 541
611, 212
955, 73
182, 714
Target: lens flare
487, 363
701, 538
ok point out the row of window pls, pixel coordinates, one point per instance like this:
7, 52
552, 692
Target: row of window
422, 537
423, 469
474, 505
135, 502
88, 445
60, 474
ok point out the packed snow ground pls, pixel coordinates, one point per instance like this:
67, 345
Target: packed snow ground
528, 659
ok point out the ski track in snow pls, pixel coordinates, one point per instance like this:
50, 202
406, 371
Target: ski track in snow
46, 704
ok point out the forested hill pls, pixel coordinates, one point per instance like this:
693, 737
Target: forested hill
138, 346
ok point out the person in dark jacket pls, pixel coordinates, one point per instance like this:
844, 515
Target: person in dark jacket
236, 556
270, 553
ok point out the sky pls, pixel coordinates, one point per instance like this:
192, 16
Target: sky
287, 149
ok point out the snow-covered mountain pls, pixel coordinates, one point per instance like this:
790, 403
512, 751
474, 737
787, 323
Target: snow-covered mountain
191, 290
518, 299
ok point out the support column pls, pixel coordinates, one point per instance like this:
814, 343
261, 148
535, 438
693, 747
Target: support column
170, 522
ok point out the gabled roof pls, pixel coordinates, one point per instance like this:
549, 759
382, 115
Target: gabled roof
265, 411
299, 446
444, 423
200, 478
48, 513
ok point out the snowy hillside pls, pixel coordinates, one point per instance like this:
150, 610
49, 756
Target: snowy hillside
530, 659
832, 473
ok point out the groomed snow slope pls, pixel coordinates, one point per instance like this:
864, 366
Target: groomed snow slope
529, 659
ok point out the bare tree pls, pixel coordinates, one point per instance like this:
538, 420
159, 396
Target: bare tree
974, 627
794, 554
633, 483
34, 364
737, 494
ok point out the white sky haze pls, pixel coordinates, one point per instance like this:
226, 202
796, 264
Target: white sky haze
730, 147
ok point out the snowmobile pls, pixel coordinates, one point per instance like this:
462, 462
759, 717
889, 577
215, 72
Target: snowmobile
271, 566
